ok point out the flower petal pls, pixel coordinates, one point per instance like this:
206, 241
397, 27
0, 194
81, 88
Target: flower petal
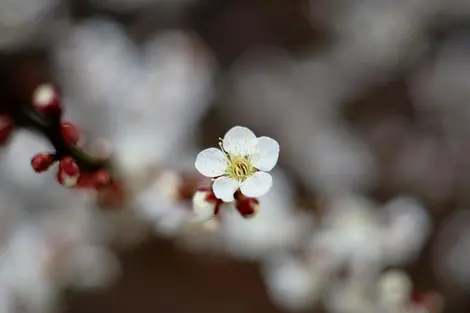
257, 185
266, 154
211, 162
239, 140
224, 188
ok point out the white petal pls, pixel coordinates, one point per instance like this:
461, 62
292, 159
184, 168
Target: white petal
257, 185
266, 153
239, 140
224, 188
211, 162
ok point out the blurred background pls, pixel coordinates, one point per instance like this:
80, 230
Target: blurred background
368, 100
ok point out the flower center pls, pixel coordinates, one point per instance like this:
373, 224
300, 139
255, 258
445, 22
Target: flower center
240, 168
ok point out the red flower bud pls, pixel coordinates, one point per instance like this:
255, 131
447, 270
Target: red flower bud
6, 127
70, 133
42, 161
247, 207
69, 172
47, 100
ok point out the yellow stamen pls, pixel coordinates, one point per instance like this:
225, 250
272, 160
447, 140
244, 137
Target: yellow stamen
240, 168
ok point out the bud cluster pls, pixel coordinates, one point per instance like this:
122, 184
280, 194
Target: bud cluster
47, 102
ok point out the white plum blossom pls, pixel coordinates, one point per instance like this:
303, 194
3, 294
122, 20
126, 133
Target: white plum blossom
242, 162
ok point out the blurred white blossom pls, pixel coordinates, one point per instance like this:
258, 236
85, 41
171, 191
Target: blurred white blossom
160, 204
145, 102
360, 239
291, 284
278, 225
408, 226
394, 290
24, 22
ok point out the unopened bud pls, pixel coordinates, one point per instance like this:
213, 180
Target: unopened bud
205, 205
6, 127
248, 207
70, 133
42, 161
47, 100
69, 172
